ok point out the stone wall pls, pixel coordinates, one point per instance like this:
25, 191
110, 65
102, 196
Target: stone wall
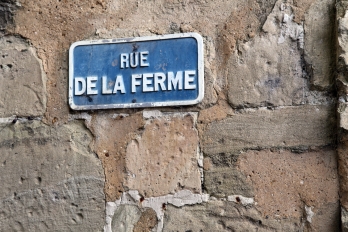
266, 149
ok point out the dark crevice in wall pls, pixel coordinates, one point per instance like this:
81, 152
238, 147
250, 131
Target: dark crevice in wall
266, 7
7, 9
229, 158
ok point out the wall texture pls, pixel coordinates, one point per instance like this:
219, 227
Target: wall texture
266, 150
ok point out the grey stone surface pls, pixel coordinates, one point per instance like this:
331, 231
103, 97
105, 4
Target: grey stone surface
50, 181
264, 72
7, 9
326, 218
164, 159
223, 216
342, 20
344, 219
343, 115
222, 182
267, 70
22, 89
125, 217
222, 177
342, 80
284, 127
270, 68
319, 41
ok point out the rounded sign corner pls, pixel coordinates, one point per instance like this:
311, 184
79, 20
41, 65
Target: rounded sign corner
200, 98
74, 45
72, 105
197, 36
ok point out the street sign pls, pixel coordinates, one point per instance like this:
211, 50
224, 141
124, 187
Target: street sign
152, 71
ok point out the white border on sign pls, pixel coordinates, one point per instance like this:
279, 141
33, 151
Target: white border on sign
200, 64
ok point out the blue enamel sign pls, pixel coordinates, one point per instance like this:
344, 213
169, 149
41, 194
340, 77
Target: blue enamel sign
137, 72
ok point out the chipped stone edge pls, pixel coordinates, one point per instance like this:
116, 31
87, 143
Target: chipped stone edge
8, 119
132, 197
22, 44
153, 114
34, 52
11, 119
309, 213
85, 116
245, 201
147, 115
200, 159
179, 199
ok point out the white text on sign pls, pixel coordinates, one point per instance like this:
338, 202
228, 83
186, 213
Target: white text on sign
147, 82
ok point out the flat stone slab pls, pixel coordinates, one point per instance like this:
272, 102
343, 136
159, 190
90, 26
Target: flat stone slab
284, 127
155, 153
50, 181
23, 87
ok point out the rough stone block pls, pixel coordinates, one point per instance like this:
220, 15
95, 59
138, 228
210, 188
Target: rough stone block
343, 115
223, 216
343, 167
342, 36
326, 218
112, 134
264, 72
293, 192
50, 181
319, 41
156, 153
22, 89
131, 218
52, 26
226, 181
125, 217
152, 209
165, 158
147, 221
284, 183
7, 9
344, 219
215, 113
222, 178
270, 69
284, 127
267, 69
